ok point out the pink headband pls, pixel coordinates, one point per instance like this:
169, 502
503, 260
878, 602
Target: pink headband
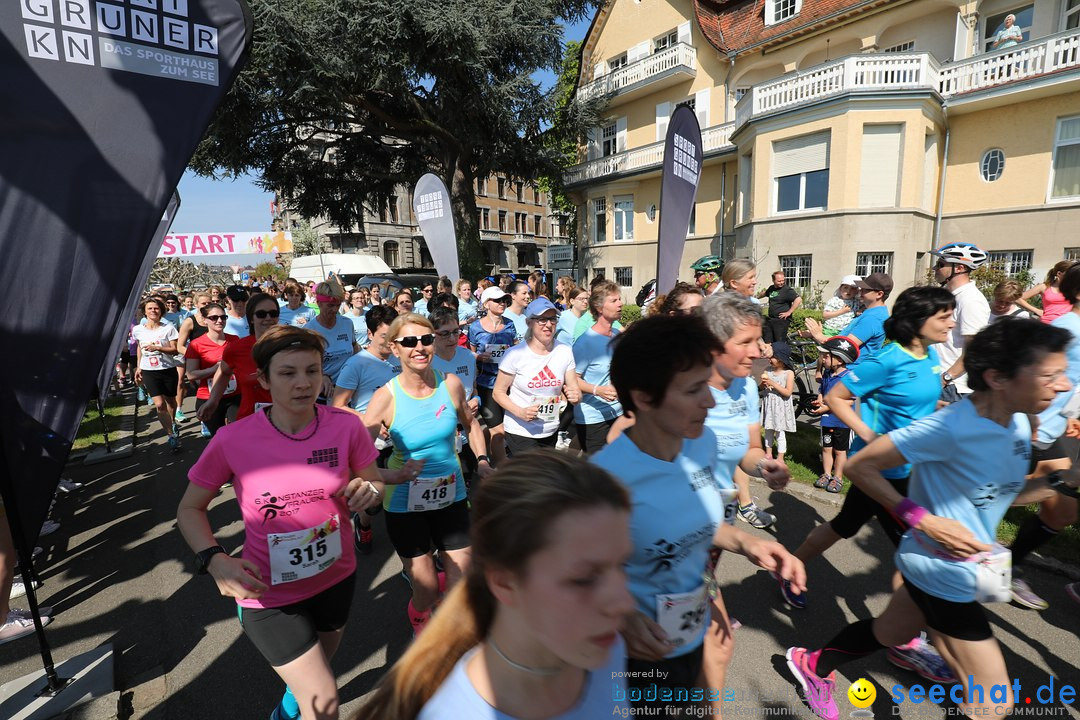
325, 298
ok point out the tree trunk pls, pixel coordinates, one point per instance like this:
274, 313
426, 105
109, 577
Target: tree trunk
462, 186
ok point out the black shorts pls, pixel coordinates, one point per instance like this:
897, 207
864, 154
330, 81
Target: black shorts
285, 633
960, 620
491, 412
859, 507
678, 673
593, 437
839, 439
161, 382
227, 409
1063, 447
417, 533
519, 444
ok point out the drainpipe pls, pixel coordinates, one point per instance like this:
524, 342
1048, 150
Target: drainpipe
941, 188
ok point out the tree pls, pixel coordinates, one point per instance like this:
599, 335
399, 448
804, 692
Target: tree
308, 241
270, 270
344, 100
184, 274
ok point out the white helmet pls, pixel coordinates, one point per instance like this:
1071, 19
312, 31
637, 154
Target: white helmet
961, 253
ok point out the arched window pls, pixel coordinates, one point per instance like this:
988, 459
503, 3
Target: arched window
390, 254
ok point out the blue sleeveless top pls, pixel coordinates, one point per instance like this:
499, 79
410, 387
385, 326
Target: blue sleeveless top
423, 429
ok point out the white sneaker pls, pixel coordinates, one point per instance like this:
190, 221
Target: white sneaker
17, 627
563, 442
49, 527
67, 485
18, 589
43, 610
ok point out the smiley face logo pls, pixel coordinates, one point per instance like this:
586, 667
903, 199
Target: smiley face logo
862, 693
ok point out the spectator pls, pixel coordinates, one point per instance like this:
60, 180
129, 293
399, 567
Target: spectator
1054, 304
783, 301
840, 309
1008, 36
867, 331
740, 276
1004, 305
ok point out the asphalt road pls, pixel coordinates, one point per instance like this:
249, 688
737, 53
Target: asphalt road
118, 571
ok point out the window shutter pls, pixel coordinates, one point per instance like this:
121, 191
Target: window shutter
701, 106
620, 134
599, 70
639, 51
684, 33
880, 165
801, 154
663, 114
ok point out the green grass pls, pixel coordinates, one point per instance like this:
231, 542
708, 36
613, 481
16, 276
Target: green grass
90, 431
804, 459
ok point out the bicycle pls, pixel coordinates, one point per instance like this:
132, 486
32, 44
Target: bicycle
805, 368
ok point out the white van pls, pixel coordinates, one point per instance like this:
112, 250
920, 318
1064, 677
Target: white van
318, 267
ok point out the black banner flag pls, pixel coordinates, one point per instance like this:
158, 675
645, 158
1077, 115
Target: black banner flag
678, 188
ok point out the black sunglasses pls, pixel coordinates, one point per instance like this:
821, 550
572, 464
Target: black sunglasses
216, 318
261, 314
410, 341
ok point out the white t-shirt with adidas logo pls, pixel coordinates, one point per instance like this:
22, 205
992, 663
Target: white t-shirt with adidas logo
538, 380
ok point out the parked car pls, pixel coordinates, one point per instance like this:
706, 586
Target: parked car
390, 283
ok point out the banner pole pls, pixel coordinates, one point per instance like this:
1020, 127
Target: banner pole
104, 425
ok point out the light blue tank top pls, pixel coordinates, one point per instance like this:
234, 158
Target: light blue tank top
423, 429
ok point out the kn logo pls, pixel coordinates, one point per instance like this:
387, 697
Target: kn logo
545, 379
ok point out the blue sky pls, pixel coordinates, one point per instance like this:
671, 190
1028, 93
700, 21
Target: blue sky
209, 205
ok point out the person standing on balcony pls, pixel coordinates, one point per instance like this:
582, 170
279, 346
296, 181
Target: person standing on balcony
1008, 36
783, 302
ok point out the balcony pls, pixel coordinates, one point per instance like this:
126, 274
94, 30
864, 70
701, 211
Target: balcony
490, 236
524, 239
659, 70
644, 159
1050, 54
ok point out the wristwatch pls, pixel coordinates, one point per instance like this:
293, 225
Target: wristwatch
202, 558
948, 378
485, 458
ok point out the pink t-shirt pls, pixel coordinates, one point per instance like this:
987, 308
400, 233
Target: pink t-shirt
1054, 304
298, 536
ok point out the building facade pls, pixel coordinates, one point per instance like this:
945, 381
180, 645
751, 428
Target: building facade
839, 136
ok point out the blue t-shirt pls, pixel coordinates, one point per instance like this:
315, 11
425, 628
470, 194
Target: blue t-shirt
420, 307
519, 321
463, 364
236, 326
828, 380
736, 409
299, 317
360, 331
176, 318
894, 389
483, 341
456, 698
969, 469
869, 328
364, 373
1052, 423
339, 344
676, 509
564, 331
592, 360
466, 311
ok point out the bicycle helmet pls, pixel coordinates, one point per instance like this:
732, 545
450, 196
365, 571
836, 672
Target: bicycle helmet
961, 253
709, 263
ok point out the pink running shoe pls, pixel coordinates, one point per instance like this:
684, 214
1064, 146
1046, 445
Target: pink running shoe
817, 691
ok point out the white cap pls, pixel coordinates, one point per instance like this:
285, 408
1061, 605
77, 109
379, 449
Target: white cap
492, 293
850, 280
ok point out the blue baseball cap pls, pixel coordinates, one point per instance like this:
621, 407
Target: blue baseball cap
538, 307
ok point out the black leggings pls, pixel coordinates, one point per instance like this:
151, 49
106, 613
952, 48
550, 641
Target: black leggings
859, 508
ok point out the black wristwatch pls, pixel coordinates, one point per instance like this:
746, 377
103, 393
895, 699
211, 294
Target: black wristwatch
485, 458
947, 377
202, 558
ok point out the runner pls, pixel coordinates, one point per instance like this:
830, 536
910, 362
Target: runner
336, 330
520, 296
532, 632
683, 299
451, 358
191, 328
422, 408
599, 407
427, 291
535, 378
156, 366
298, 470
236, 323
667, 460
356, 315
403, 302
467, 307
970, 460
489, 338
577, 304
952, 271
203, 356
294, 312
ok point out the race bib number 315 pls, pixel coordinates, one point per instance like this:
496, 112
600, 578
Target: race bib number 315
301, 554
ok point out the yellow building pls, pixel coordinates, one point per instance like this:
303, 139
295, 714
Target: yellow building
840, 136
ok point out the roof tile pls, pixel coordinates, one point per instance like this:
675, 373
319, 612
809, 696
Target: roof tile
736, 25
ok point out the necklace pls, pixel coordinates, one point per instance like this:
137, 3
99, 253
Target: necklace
287, 435
545, 671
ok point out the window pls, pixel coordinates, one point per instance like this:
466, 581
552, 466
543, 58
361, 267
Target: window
1072, 253
502, 188
867, 263
390, 253
780, 10
692, 230
481, 187
882, 150
520, 192
600, 224
538, 224
536, 195
992, 164
740, 91
561, 226
609, 135
521, 223
1072, 15
1065, 175
616, 62
996, 23
624, 276
485, 218
902, 47
1012, 262
665, 41
502, 221
801, 172
796, 269
624, 218
690, 103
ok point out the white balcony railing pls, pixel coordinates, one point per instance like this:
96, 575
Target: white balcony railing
1046, 55
678, 55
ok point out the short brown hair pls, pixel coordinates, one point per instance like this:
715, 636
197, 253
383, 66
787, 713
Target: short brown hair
1008, 291
599, 295
285, 337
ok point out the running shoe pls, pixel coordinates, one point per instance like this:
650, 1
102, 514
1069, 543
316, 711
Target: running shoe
822, 481
205, 431
363, 538
17, 627
280, 714
794, 600
67, 485
563, 443
174, 443
1073, 591
920, 657
755, 516
18, 589
179, 416
49, 527
1023, 595
817, 691
142, 394
835, 484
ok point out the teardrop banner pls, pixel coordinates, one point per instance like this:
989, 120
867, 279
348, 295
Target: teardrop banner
431, 203
678, 188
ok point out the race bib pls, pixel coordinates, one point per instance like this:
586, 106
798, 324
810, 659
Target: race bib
682, 615
154, 361
496, 352
547, 408
230, 388
301, 554
730, 498
993, 576
432, 493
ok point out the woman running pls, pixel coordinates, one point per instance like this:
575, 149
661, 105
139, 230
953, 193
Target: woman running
190, 328
490, 337
599, 407
577, 304
971, 459
684, 299
294, 312
533, 630
355, 314
336, 329
156, 366
203, 357
534, 379
298, 470
667, 460
451, 358
421, 408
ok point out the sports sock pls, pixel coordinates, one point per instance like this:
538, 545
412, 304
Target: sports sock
1032, 534
855, 641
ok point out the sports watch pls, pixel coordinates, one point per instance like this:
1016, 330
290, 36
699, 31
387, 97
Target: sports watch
202, 558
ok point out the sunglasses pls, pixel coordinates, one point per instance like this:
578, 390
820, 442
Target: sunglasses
427, 290
216, 318
448, 333
261, 314
411, 341
545, 320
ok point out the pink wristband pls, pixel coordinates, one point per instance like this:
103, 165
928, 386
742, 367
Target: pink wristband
909, 512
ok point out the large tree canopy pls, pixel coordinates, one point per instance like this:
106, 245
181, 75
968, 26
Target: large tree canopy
344, 99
